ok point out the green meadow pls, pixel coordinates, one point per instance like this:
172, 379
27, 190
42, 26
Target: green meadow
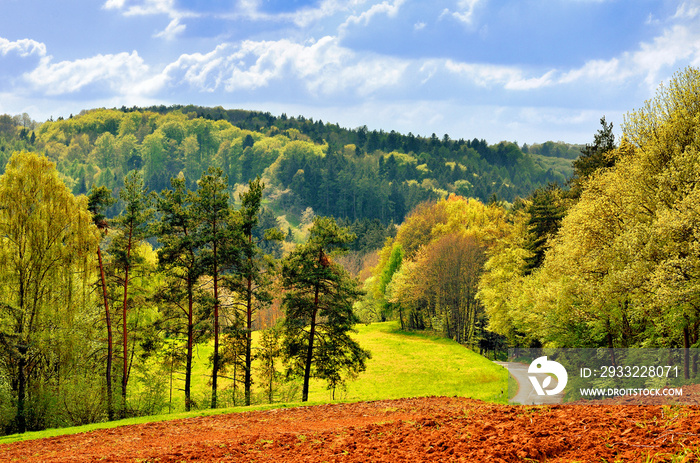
403, 364
409, 364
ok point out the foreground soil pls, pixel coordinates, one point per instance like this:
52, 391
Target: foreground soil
418, 429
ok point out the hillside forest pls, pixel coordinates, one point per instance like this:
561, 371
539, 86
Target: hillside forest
131, 236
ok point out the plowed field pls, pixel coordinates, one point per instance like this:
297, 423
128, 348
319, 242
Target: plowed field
419, 429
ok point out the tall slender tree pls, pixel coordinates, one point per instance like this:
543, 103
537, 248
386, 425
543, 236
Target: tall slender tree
216, 238
179, 256
132, 227
254, 270
99, 199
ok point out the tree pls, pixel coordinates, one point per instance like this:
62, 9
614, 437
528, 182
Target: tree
593, 157
180, 257
132, 227
546, 212
255, 267
392, 265
217, 239
99, 200
318, 300
46, 235
267, 354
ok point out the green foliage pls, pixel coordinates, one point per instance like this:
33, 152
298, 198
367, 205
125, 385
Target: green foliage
268, 355
593, 157
622, 271
318, 309
46, 235
545, 213
353, 174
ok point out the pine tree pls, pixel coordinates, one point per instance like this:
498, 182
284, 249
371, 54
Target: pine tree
593, 157
318, 308
217, 238
99, 200
132, 227
180, 257
254, 270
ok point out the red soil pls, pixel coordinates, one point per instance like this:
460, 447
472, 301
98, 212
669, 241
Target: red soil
419, 429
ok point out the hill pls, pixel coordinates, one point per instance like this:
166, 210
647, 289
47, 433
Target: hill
354, 174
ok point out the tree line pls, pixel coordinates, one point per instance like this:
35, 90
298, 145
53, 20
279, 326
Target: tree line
358, 174
131, 296
610, 259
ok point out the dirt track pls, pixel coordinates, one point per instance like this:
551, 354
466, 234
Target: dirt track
421, 429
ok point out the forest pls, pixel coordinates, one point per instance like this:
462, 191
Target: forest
131, 236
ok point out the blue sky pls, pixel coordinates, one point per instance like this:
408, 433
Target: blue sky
518, 70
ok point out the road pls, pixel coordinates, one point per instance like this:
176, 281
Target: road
526, 393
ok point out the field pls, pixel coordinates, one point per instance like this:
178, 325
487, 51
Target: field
403, 364
418, 429
410, 405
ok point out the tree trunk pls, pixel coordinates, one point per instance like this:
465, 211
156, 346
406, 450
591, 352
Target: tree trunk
21, 389
125, 372
686, 353
215, 369
190, 336
249, 332
310, 351
110, 353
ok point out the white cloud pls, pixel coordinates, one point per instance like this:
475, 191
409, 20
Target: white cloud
22, 47
155, 7
322, 68
509, 77
123, 72
113, 4
464, 12
172, 31
250, 10
687, 10
679, 43
386, 8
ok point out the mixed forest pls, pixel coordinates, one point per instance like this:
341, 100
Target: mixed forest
130, 236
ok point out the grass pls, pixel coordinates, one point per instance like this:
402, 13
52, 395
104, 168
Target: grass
408, 364
403, 364
141, 420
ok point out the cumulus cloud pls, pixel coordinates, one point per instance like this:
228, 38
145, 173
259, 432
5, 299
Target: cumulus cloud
387, 8
322, 68
508, 77
123, 72
464, 12
678, 43
23, 47
155, 7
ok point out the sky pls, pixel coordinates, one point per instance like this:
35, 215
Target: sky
517, 70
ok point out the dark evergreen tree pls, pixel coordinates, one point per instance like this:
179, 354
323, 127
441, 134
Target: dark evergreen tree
593, 157
318, 309
546, 212
99, 200
179, 256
